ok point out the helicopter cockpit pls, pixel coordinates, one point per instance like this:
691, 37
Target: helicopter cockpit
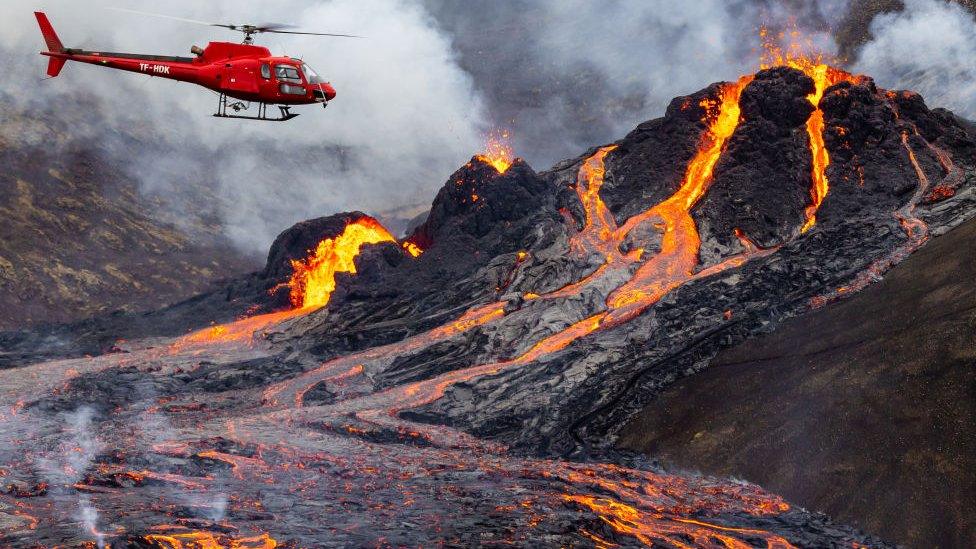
293, 77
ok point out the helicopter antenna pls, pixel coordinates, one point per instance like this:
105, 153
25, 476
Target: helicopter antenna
248, 30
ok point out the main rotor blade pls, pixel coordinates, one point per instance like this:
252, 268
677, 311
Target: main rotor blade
314, 33
183, 19
268, 27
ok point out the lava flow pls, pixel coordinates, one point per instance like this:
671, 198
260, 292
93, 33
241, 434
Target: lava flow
314, 279
242, 445
312, 282
209, 540
823, 76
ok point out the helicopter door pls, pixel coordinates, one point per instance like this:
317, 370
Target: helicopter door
236, 78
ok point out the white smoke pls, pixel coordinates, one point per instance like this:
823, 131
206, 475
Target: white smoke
88, 516
154, 428
66, 464
930, 47
568, 74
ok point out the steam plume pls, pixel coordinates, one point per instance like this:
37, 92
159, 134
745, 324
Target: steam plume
930, 47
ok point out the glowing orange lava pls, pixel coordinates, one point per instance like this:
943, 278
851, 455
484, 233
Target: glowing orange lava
239, 330
655, 531
208, 540
314, 281
412, 248
498, 152
824, 76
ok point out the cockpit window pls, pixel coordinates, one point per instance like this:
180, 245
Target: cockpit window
287, 73
310, 74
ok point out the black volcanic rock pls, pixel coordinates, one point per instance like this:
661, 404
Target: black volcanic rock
762, 182
648, 165
480, 214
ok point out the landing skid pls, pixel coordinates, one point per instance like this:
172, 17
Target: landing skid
223, 105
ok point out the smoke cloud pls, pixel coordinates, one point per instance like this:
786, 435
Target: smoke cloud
930, 47
568, 74
417, 96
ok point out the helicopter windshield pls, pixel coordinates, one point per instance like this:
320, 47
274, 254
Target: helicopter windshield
287, 73
310, 75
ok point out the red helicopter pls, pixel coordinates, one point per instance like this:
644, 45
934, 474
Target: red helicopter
243, 72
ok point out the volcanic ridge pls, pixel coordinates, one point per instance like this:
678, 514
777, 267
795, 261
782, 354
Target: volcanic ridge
466, 385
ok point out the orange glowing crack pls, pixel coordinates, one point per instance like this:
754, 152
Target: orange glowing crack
655, 529
412, 248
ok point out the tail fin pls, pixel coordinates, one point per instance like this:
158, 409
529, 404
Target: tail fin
54, 44
55, 65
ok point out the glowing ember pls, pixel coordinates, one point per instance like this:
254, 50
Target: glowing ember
498, 152
824, 76
314, 281
412, 248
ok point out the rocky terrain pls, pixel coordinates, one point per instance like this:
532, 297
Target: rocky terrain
472, 393
79, 236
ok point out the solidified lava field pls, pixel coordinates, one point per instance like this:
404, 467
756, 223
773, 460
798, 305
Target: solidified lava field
463, 387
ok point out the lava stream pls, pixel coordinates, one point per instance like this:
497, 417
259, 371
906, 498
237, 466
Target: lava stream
312, 282
824, 76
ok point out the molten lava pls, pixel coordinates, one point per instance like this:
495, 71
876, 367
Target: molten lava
823, 76
313, 280
412, 248
498, 153
208, 540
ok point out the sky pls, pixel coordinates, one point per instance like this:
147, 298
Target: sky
431, 79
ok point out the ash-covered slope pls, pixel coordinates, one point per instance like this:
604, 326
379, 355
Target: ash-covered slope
78, 236
873, 396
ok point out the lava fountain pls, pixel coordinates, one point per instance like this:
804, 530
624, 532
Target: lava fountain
498, 153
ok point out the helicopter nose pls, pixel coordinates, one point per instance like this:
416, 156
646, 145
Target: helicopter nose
328, 90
